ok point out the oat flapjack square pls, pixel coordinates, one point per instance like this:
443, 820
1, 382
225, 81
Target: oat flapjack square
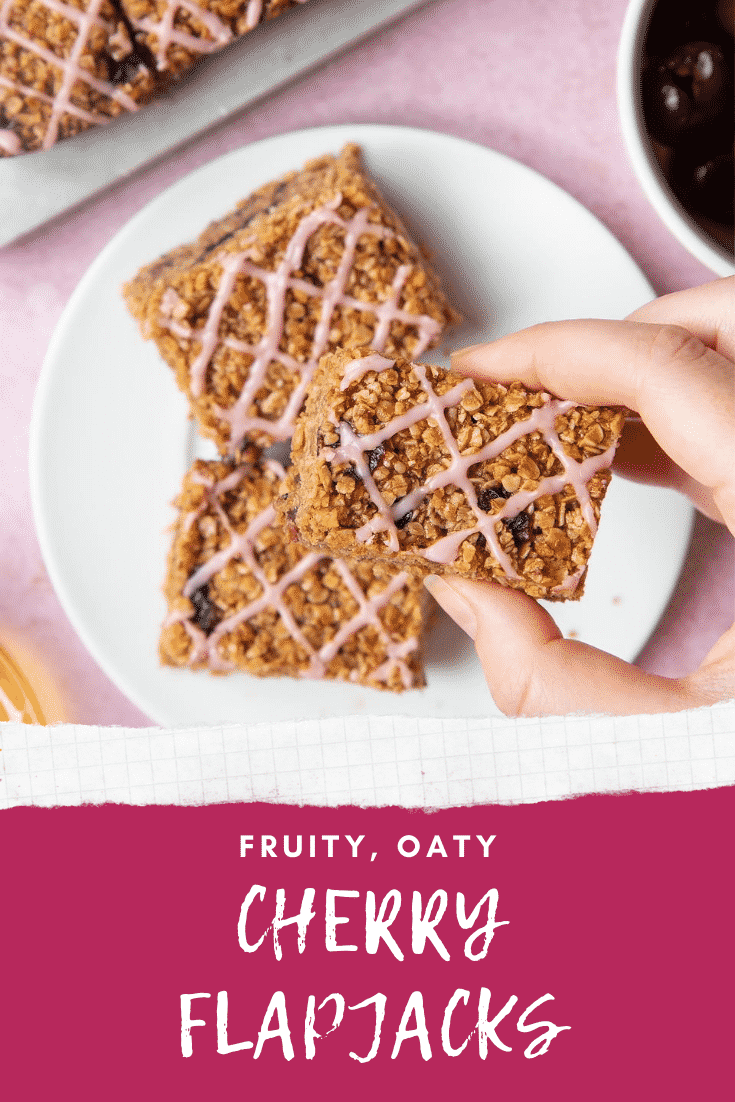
242, 596
444, 474
309, 263
178, 32
65, 66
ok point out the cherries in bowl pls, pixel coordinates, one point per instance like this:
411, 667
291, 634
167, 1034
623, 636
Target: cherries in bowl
675, 94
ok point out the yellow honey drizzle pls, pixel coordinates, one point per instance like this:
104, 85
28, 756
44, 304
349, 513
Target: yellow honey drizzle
18, 701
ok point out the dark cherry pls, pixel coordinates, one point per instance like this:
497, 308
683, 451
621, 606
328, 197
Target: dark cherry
667, 107
700, 68
207, 615
519, 527
373, 457
705, 187
125, 71
489, 494
726, 15
677, 21
689, 89
687, 94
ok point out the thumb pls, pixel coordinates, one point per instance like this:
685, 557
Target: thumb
532, 670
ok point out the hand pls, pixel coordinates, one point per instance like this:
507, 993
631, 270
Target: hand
672, 363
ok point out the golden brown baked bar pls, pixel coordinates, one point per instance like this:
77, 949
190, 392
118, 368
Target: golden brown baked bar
178, 32
242, 596
308, 263
68, 65
444, 474
65, 66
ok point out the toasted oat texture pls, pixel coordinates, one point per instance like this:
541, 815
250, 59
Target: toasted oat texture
449, 475
308, 263
242, 596
65, 65
178, 32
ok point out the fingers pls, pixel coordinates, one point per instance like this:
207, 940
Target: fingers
672, 362
682, 389
640, 459
531, 670
708, 312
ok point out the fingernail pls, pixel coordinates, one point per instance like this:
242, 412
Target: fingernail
457, 607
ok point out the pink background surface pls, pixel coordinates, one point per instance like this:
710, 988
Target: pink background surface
534, 79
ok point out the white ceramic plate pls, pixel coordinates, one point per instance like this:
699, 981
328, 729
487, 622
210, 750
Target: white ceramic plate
110, 440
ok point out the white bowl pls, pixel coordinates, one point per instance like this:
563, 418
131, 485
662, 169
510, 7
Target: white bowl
645, 165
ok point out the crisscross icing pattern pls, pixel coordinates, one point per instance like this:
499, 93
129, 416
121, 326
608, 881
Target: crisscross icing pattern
254, 12
205, 648
72, 72
166, 32
277, 283
352, 449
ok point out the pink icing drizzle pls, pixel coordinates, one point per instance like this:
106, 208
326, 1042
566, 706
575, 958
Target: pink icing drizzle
70, 68
166, 34
9, 141
352, 447
357, 368
205, 648
255, 12
277, 283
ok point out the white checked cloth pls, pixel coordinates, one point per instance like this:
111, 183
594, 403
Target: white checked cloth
369, 760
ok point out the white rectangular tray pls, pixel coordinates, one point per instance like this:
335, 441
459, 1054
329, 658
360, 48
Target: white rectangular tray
40, 186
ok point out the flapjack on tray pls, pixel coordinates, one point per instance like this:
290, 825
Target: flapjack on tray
69, 65
65, 66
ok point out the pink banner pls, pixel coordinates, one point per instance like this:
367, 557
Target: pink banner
578, 949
